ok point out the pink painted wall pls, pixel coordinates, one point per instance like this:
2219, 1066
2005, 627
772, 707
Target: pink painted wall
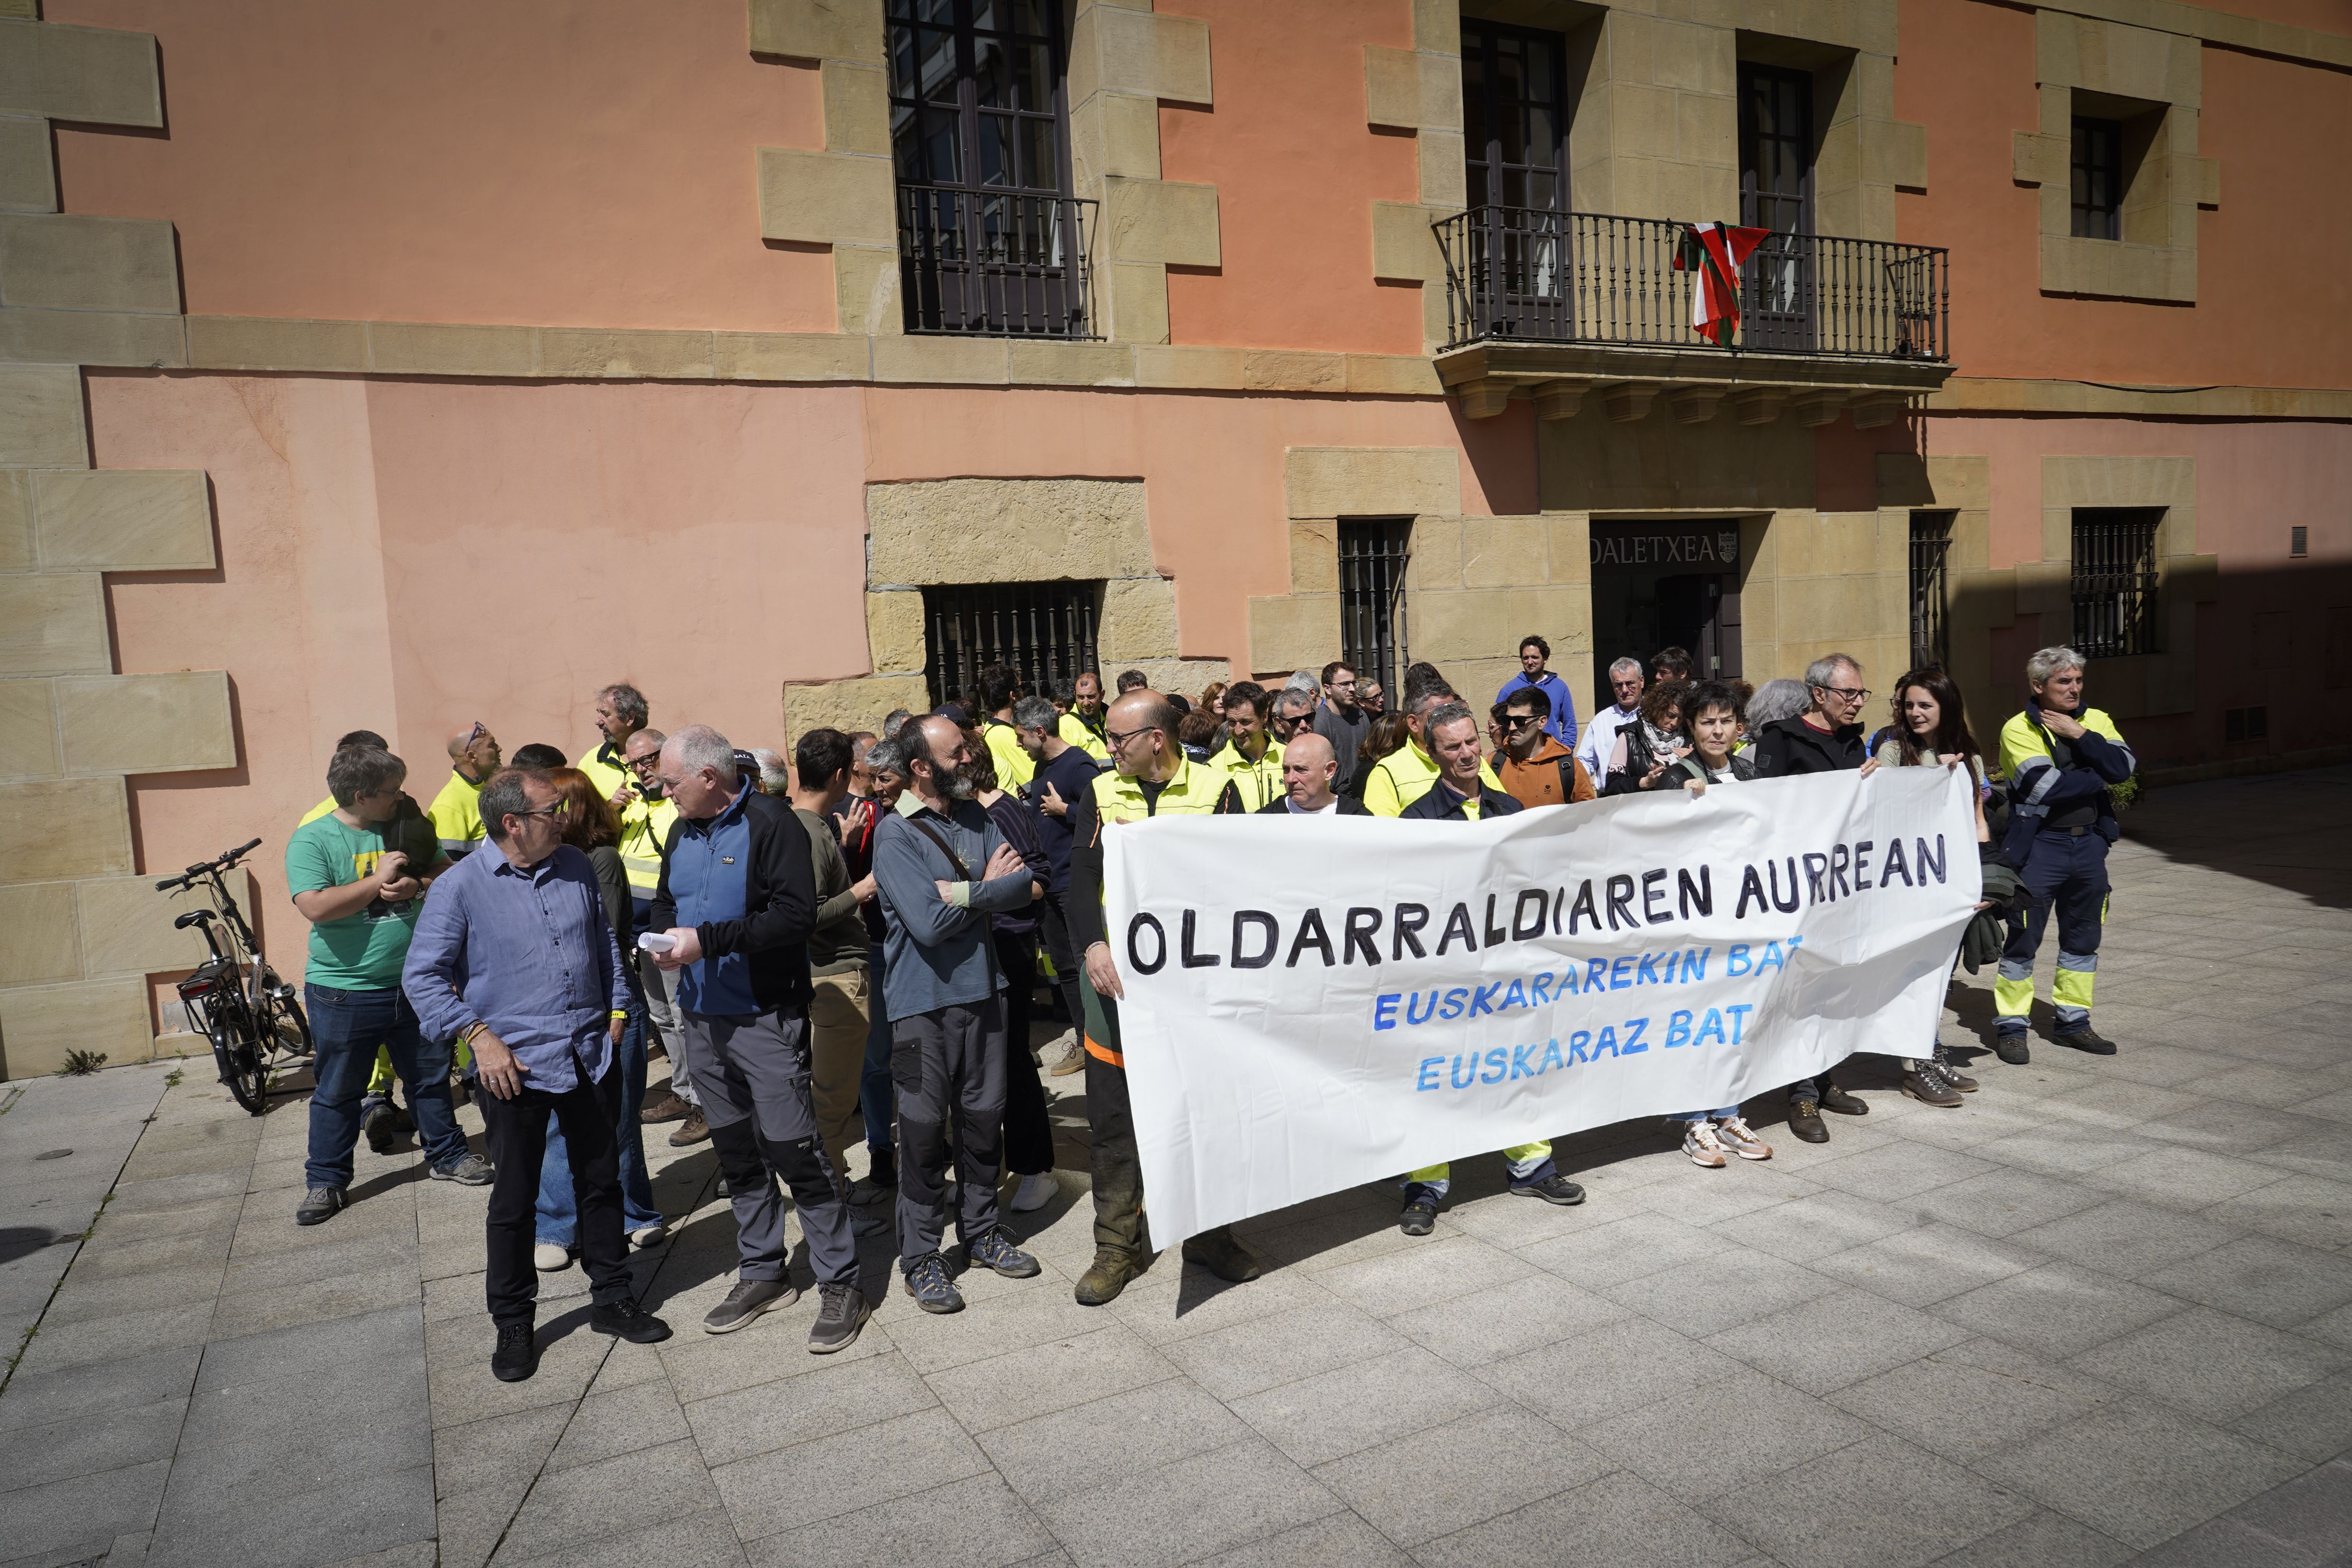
1967, 73
1296, 170
543, 161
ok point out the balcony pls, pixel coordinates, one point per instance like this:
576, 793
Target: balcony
992, 263
1556, 306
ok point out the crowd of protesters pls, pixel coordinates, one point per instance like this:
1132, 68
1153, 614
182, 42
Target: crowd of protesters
852, 945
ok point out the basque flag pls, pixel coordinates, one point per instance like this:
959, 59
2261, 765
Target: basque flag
1716, 252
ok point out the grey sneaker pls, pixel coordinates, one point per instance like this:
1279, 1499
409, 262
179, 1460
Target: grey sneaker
320, 1204
842, 1311
746, 1301
468, 1170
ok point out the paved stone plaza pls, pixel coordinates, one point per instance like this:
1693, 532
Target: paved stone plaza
2104, 1309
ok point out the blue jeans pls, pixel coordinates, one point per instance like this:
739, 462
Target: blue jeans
1728, 1113
559, 1215
348, 1026
873, 1088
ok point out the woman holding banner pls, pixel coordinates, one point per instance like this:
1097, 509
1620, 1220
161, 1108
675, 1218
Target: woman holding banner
1930, 728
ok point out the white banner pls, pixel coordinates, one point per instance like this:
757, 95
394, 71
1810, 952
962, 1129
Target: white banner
1316, 1003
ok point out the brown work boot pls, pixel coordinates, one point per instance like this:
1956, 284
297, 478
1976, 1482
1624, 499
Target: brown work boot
693, 1130
668, 1107
1225, 1255
1805, 1120
1113, 1268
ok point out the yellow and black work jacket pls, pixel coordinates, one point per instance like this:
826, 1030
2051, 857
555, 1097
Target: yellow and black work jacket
1257, 781
1194, 789
645, 829
1077, 732
2058, 785
1014, 766
605, 768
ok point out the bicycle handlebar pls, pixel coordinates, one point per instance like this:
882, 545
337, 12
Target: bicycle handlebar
224, 861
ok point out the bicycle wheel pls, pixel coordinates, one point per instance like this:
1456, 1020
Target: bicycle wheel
289, 1027
243, 1065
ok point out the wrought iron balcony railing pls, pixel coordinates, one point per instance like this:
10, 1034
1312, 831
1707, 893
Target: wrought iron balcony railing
995, 263
1521, 274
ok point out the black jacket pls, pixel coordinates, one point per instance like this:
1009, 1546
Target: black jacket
1788, 746
1348, 807
779, 905
1442, 804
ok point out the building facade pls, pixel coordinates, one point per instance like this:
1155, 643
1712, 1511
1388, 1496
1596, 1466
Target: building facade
401, 367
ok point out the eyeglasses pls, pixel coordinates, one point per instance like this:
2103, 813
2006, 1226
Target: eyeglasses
474, 734
639, 765
559, 808
1519, 720
1117, 738
1850, 693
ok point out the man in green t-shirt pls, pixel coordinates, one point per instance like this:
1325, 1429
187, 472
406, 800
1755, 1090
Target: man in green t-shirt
358, 874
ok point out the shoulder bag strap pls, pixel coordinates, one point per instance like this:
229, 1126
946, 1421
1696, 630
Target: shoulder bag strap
933, 833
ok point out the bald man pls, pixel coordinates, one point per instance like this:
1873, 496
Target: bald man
1310, 767
1150, 777
457, 820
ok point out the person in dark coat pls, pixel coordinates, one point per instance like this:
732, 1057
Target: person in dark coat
1311, 770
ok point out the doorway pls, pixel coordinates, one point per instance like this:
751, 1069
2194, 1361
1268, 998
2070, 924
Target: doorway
1665, 584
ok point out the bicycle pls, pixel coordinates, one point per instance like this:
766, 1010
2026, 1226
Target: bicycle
234, 998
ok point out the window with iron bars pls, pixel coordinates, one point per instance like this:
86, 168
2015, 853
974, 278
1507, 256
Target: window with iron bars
2114, 581
1931, 542
1372, 556
1043, 631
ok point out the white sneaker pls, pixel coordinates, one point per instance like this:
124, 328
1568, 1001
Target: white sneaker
1035, 1193
651, 1236
547, 1258
1740, 1139
1699, 1143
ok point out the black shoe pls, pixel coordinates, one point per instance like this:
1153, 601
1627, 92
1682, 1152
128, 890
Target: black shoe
1927, 1084
319, 1205
1844, 1104
1225, 1256
517, 1356
1420, 1215
842, 1312
1952, 1074
2012, 1049
381, 1128
625, 1320
746, 1301
1805, 1121
1553, 1189
2087, 1039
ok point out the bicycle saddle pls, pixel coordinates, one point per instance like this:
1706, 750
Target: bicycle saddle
193, 917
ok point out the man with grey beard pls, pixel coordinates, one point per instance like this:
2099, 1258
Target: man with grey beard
942, 868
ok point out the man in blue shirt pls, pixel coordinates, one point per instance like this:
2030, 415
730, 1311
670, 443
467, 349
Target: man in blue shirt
1534, 653
942, 868
738, 900
1065, 774
512, 955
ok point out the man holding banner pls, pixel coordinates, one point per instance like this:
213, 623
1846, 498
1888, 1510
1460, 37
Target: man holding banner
1150, 777
1460, 794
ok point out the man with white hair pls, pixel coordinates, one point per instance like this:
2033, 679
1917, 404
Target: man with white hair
1598, 743
2061, 758
738, 902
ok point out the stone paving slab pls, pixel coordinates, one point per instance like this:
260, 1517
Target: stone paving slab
2102, 1311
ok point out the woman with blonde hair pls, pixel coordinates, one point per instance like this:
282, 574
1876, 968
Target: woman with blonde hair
591, 825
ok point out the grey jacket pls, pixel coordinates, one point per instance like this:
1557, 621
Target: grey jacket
938, 952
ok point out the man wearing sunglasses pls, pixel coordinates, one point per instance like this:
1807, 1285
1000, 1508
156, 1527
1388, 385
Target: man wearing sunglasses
1535, 768
456, 816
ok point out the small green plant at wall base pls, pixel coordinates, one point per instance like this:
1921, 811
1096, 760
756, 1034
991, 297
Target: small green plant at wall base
172, 1080
80, 1064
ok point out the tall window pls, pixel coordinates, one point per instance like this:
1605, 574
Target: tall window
1045, 631
989, 240
1514, 115
2098, 170
1776, 192
1931, 542
2114, 580
1372, 556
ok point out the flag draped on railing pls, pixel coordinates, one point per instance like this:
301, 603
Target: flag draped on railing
1716, 251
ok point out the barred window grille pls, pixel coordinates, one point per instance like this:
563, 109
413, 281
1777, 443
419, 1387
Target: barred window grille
1931, 542
1372, 556
2096, 165
2114, 581
1043, 631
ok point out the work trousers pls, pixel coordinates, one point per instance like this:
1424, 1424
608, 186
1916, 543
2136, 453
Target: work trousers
840, 1019
1054, 930
2065, 875
752, 1073
1114, 1165
948, 1066
517, 1133
1028, 1132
